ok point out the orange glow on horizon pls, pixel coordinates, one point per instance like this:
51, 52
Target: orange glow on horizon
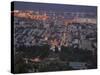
28, 15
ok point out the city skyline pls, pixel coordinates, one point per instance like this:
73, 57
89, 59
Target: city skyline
53, 37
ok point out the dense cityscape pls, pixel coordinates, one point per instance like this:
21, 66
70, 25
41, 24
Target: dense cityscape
54, 41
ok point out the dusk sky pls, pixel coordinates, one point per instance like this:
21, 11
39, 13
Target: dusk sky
53, 7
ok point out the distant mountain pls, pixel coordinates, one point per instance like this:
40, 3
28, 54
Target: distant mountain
18, 5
